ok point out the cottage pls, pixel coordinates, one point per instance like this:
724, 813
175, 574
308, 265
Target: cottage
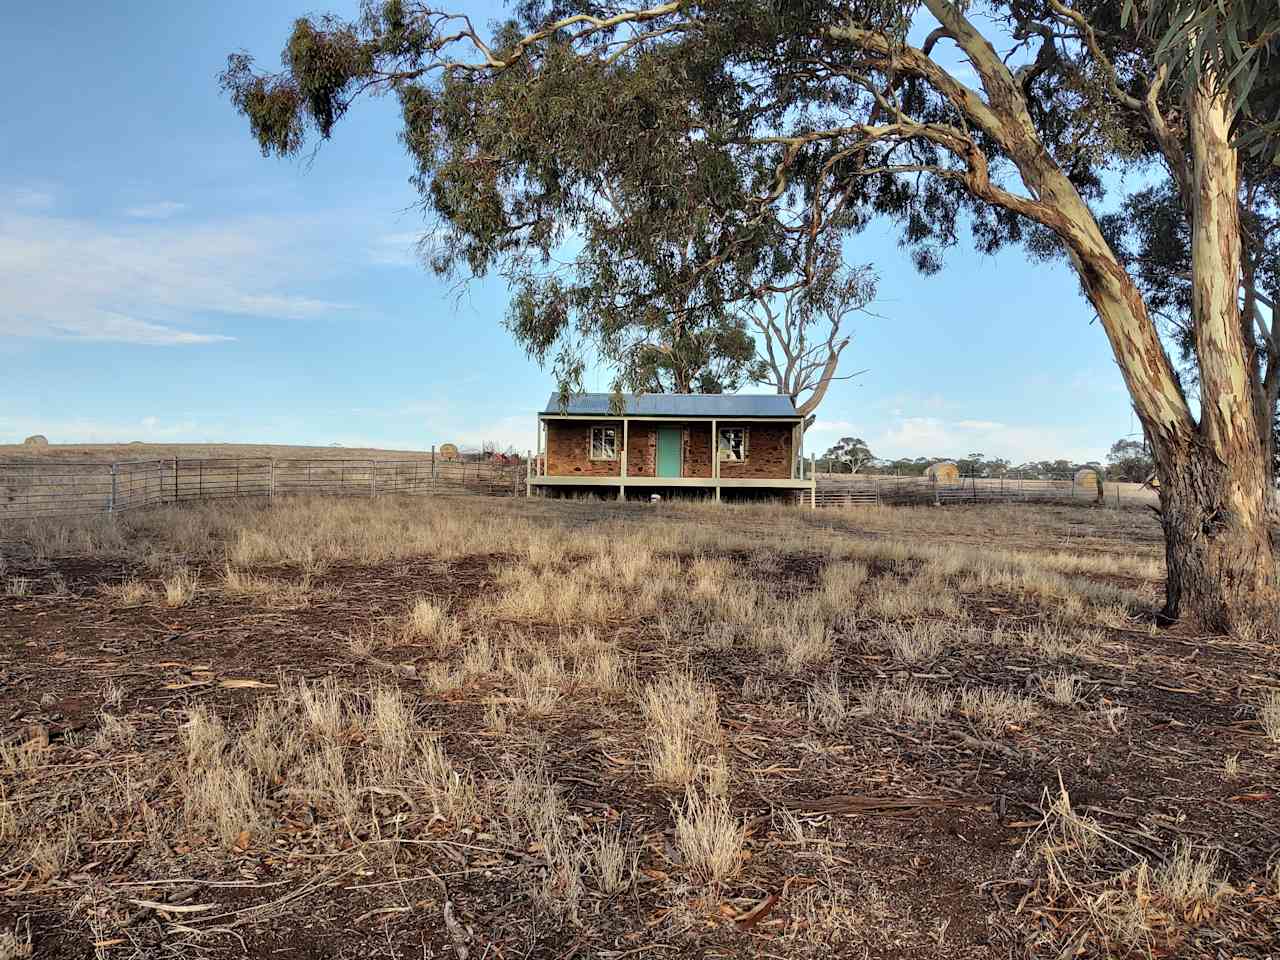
664, 443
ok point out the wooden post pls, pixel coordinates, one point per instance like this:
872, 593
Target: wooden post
271, 479
715, 457
433, 468
813, 481
175, 479
373, 478
528, 475
622, 460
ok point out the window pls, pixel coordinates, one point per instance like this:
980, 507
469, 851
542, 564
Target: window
604, 443
733, 444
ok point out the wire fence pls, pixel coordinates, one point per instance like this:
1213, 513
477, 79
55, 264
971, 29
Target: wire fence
36, 489
845, 490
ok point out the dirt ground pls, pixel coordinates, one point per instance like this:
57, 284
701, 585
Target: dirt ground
485, 728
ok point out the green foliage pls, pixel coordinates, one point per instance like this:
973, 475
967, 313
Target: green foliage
848, 455
1233, 44
1129, 460
637, 175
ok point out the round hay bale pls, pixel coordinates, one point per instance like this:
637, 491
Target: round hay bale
1087, 477
944, 471
37, 440
448, 452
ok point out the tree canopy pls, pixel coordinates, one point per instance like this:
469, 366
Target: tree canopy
703, 151
1129, 460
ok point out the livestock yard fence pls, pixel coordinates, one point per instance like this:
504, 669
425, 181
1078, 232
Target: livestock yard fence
834, 490
35, 489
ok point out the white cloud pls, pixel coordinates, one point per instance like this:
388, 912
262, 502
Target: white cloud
89, 430
844, 427
160, 210
149, 282
937, 437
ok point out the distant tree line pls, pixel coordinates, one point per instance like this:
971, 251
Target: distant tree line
1128, 460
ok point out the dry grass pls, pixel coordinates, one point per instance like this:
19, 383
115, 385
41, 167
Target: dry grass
179, 587
708, 835
683, 727
997, 710
906, 703
129, 593
1269, 715
429, 620
1064, 689
828, 705
586, 713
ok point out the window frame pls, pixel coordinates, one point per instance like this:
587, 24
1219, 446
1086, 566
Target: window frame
724, 451
591, 444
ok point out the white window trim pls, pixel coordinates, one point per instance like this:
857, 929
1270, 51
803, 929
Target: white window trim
724, 455
591, 444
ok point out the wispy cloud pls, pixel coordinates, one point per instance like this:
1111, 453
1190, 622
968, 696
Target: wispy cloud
396, 250
31, 198
159, 210
937, 437
149, 282
93, 430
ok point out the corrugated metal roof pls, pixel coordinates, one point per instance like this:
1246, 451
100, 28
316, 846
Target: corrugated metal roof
677, 405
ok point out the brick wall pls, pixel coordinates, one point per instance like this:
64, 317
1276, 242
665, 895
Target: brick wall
569, 450
768, 453
642, 449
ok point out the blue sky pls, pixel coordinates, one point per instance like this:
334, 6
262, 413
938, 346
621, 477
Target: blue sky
160, 280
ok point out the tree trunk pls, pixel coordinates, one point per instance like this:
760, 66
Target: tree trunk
1217, 542
1213, 489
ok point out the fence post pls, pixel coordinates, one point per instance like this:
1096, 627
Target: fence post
111, 504
373, 478
175, 479
433, 468
237, 479
271, 479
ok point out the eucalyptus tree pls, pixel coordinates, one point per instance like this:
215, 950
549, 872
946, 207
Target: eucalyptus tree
1152, 234
778, 127
803, 331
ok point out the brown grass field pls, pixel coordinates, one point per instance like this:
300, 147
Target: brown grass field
107, 452
482, 728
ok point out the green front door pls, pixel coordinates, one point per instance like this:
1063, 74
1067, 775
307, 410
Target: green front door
669, 451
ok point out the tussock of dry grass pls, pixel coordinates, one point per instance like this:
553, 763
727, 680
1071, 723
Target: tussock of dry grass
919, 642
431, 620
708, 836
910, 702
996, 710
179, 587
1064, 689
682, 725
129, 593
1269, 715
827, 703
